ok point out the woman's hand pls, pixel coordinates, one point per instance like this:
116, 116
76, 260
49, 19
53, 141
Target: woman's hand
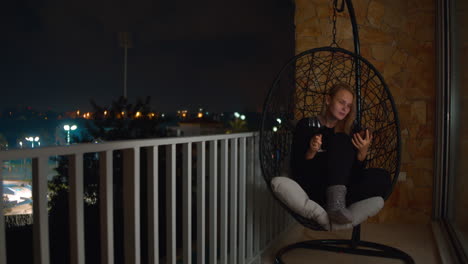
314, 145
362, 144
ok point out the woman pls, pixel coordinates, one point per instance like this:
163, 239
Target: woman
336, 176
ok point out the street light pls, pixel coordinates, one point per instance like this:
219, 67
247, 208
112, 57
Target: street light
69, 128
32, 140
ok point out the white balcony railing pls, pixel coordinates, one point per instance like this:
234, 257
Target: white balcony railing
234, 226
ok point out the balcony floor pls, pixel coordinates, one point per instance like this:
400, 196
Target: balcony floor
415, 239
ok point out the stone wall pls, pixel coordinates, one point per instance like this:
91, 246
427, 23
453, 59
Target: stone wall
397, 37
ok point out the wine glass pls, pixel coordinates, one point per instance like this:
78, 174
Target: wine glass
314, 123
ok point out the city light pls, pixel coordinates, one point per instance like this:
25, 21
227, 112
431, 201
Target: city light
69, 128
182, 113
278, 120
138, 114
32, 140
275, 129
200, 115
105, 112
236, 114
242, 117
86, 115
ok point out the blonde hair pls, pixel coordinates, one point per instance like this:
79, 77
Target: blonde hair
346, 124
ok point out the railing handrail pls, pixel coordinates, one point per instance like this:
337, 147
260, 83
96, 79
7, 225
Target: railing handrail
113, 145
227, 164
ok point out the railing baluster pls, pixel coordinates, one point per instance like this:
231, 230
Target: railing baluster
270, 215
242, 192
213, 240
275, 215
233, 205
257, 200
106, 206
250, 198
171, 204
40, 213
283, 218
131, 192
201, 208
3, 256
262, 213
266, 217
224, 202
75, 198
262, 209
153, 206
242, 203
280, 217
187, 203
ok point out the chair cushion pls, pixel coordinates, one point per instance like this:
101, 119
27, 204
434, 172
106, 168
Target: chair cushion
295, 198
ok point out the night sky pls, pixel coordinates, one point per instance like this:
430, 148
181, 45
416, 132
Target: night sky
219, 55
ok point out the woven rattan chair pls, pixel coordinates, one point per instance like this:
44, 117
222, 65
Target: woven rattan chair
298, 92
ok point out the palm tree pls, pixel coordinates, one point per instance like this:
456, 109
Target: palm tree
3, 142
123, 120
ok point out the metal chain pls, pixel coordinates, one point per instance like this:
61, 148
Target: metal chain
334, 25
335, 10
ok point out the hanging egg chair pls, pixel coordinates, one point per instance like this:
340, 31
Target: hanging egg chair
298, 92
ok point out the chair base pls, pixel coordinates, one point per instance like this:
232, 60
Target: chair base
349, 247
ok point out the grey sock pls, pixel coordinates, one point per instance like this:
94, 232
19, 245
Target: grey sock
336, 205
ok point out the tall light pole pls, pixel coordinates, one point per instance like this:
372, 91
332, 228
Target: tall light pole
69, 128
23, 161
126, 43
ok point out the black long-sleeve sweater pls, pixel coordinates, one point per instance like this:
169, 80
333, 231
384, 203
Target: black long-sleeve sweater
315, 175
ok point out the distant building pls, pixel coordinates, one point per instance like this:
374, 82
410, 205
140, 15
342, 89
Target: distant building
195, 127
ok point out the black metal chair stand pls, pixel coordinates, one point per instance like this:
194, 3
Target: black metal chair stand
353, 246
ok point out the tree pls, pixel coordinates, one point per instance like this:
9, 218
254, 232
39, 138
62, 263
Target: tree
3, 142
123, 120
238, 125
